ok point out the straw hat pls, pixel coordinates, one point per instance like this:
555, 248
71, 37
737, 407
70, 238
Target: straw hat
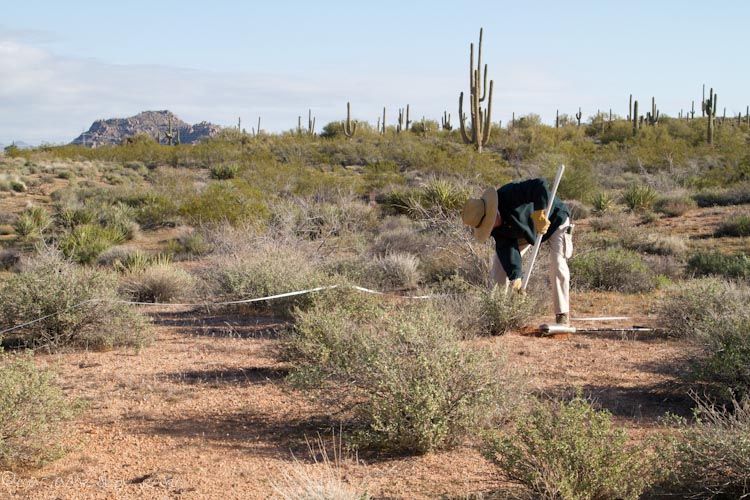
479, 213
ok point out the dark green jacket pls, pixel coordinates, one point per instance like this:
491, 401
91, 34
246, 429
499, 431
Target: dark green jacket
516, 202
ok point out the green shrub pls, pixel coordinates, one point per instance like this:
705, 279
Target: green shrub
264, 270
18, 186
393, 271
32, 222
420, 388
161, 283
189, 244
84, 243
501, 311
601, 203
735, 226
639, 198
714, 263
674, 206
32, 407
82, 306
8, 259
224, 171
712, 314
570, 450
736, 195
711, 457
612, 269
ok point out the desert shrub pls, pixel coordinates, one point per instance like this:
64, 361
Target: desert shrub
394, 270
224, 171
153, 210
639, 198
712, 315
130, 259
653, 243
711, 457
8, 259
736, 195
84, 243
158, 283
233, 201
501, 311
570, 450
266, 269
578, 210
436, 195
326, 481
189, 244
18, 186
613, 269
418, 387
32, 407
399, 235
674, 206
32, 222
714, 263
735, 226
81, 306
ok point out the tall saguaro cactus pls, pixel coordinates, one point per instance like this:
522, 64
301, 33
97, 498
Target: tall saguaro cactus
480, 119
710, 109
350, 127
653, 115
636, 124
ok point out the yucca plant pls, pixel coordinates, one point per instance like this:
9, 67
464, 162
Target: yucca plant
639, 198
601, 203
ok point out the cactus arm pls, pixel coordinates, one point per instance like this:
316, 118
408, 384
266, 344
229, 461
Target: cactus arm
487, 119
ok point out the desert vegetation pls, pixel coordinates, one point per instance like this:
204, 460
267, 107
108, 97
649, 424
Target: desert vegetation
661, 221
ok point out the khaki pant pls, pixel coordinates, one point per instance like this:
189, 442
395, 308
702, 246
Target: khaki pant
561, 249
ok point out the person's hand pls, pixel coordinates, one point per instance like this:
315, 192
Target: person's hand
541, 223
517, 286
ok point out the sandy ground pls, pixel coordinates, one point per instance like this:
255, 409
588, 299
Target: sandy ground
204, 412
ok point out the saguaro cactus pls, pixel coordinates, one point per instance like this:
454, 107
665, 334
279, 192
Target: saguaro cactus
310, 124
350, 127
557, 118
636, 124
480, 119
710, 110
401, 125
168, 134
630, 108
578, 116
653, 115
445, 121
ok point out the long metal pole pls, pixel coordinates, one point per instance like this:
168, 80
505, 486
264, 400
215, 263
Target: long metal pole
538, 242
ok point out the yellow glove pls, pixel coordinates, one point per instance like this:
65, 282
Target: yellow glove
541, 223
517, 286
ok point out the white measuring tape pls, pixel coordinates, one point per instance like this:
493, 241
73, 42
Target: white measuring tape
207, 304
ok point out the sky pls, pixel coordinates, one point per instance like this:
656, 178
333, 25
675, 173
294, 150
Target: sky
64, 65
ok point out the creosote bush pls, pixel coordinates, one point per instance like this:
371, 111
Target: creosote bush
264, 268
570, 450
712, 314
32, 407
416, 386
159, 283
612, 269
82, 305
711, 456
714, 263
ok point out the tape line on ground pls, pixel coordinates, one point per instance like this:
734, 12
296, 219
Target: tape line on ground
209, 304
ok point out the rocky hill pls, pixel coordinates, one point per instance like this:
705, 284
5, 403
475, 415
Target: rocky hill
152, 123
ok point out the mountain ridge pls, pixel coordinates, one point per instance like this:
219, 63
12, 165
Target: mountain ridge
155, 124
